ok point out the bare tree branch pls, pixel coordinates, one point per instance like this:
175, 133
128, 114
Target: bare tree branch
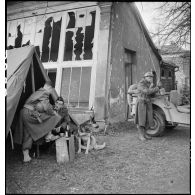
174, 23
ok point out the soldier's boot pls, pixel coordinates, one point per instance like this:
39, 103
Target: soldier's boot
147, 136
27, 158
141, 133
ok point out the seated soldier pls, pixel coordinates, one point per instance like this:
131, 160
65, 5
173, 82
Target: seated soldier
63, 126
36, 120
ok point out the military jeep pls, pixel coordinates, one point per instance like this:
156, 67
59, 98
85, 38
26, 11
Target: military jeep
166, 112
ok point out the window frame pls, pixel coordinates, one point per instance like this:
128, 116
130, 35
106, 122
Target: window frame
60, 64
164, 76
170, 77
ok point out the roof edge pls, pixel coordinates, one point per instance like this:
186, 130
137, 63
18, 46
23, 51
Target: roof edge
146, 32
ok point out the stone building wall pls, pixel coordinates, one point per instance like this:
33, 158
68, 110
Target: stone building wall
182, 76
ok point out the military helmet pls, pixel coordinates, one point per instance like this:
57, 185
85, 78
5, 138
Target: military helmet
148, 74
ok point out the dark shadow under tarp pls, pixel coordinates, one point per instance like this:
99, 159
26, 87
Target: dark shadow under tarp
25, 74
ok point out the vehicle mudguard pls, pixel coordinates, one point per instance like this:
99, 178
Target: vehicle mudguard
170, 111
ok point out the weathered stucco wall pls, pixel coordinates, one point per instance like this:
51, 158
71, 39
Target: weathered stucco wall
126, 33
102, 57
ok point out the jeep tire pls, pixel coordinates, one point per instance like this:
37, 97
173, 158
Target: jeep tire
159, 124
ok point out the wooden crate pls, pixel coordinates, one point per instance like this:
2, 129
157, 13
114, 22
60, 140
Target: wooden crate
65, 149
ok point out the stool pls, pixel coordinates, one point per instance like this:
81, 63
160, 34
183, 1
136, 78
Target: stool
37, 144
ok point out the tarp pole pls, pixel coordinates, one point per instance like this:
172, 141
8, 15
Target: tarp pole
32, 75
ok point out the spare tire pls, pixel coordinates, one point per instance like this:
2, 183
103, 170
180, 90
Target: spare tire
159, 124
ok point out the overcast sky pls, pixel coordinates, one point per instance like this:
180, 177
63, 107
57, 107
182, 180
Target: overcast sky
148, 13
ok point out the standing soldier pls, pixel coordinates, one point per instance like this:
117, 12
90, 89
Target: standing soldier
144, 111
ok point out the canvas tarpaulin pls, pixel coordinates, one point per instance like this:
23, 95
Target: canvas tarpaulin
19, 61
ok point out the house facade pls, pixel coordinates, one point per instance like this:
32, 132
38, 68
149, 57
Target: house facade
182, 59
92, 51
167, 74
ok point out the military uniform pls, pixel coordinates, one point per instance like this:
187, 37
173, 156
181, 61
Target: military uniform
144, 111
34, 123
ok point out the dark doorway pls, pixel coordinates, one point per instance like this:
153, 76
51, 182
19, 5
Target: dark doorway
129, 62
128, 82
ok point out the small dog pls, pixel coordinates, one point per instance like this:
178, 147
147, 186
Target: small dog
85, 136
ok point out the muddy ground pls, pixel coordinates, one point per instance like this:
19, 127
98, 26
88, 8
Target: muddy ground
126, 165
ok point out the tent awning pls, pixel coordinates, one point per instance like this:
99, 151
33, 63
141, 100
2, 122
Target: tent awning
19, 61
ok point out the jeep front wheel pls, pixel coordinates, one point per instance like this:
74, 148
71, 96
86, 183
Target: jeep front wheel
159, 124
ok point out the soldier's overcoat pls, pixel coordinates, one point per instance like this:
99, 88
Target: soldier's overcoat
144, 111
28, 122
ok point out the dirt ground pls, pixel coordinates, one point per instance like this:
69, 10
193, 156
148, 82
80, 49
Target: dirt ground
126, 165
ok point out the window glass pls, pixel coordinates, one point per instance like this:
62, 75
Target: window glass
75, 86
11, 31
162, 73
85, 87
170, 73
44, 33
47, 34
57, 21
39, 29
79, 35
65, 83
19, 33
28, 35
52, 75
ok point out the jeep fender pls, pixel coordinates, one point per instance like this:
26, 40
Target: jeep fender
170, 111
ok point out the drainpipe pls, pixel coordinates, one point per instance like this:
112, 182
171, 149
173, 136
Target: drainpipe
108, 74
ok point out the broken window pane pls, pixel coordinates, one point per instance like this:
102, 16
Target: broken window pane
88, 18
8, 25
21, 23
65, 83
85, 87
74, 87
51, 37
55, 39
80, 20
79, 44
89, 36
11, 43
52, 75
19, 33
25, 40
28, 34
47, 40
68, 45
29, 23
12, 29
71, 20
18, 40
82, 39
11, 34
39, 34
